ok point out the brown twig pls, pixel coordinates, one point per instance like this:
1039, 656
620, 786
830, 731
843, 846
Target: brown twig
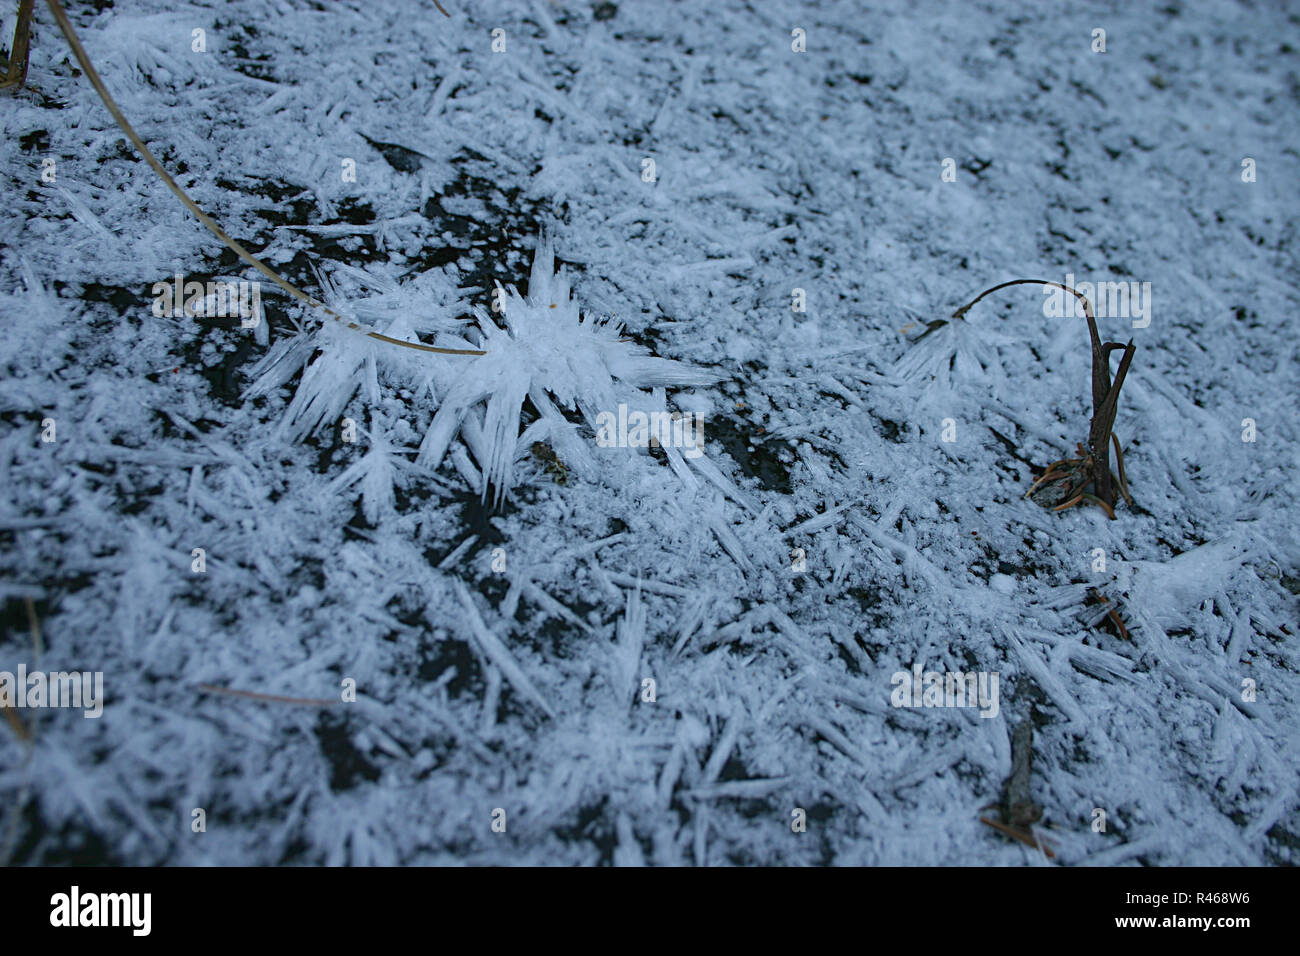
1096, 597
1025, 836
16, 724
20, 52
34, 623
1018, 809
23, 731
273, 698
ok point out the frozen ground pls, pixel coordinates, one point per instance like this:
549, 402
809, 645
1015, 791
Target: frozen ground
520, 688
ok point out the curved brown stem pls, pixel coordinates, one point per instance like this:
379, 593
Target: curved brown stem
1087, 307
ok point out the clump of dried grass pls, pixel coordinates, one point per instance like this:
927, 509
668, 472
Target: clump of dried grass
1087, 478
